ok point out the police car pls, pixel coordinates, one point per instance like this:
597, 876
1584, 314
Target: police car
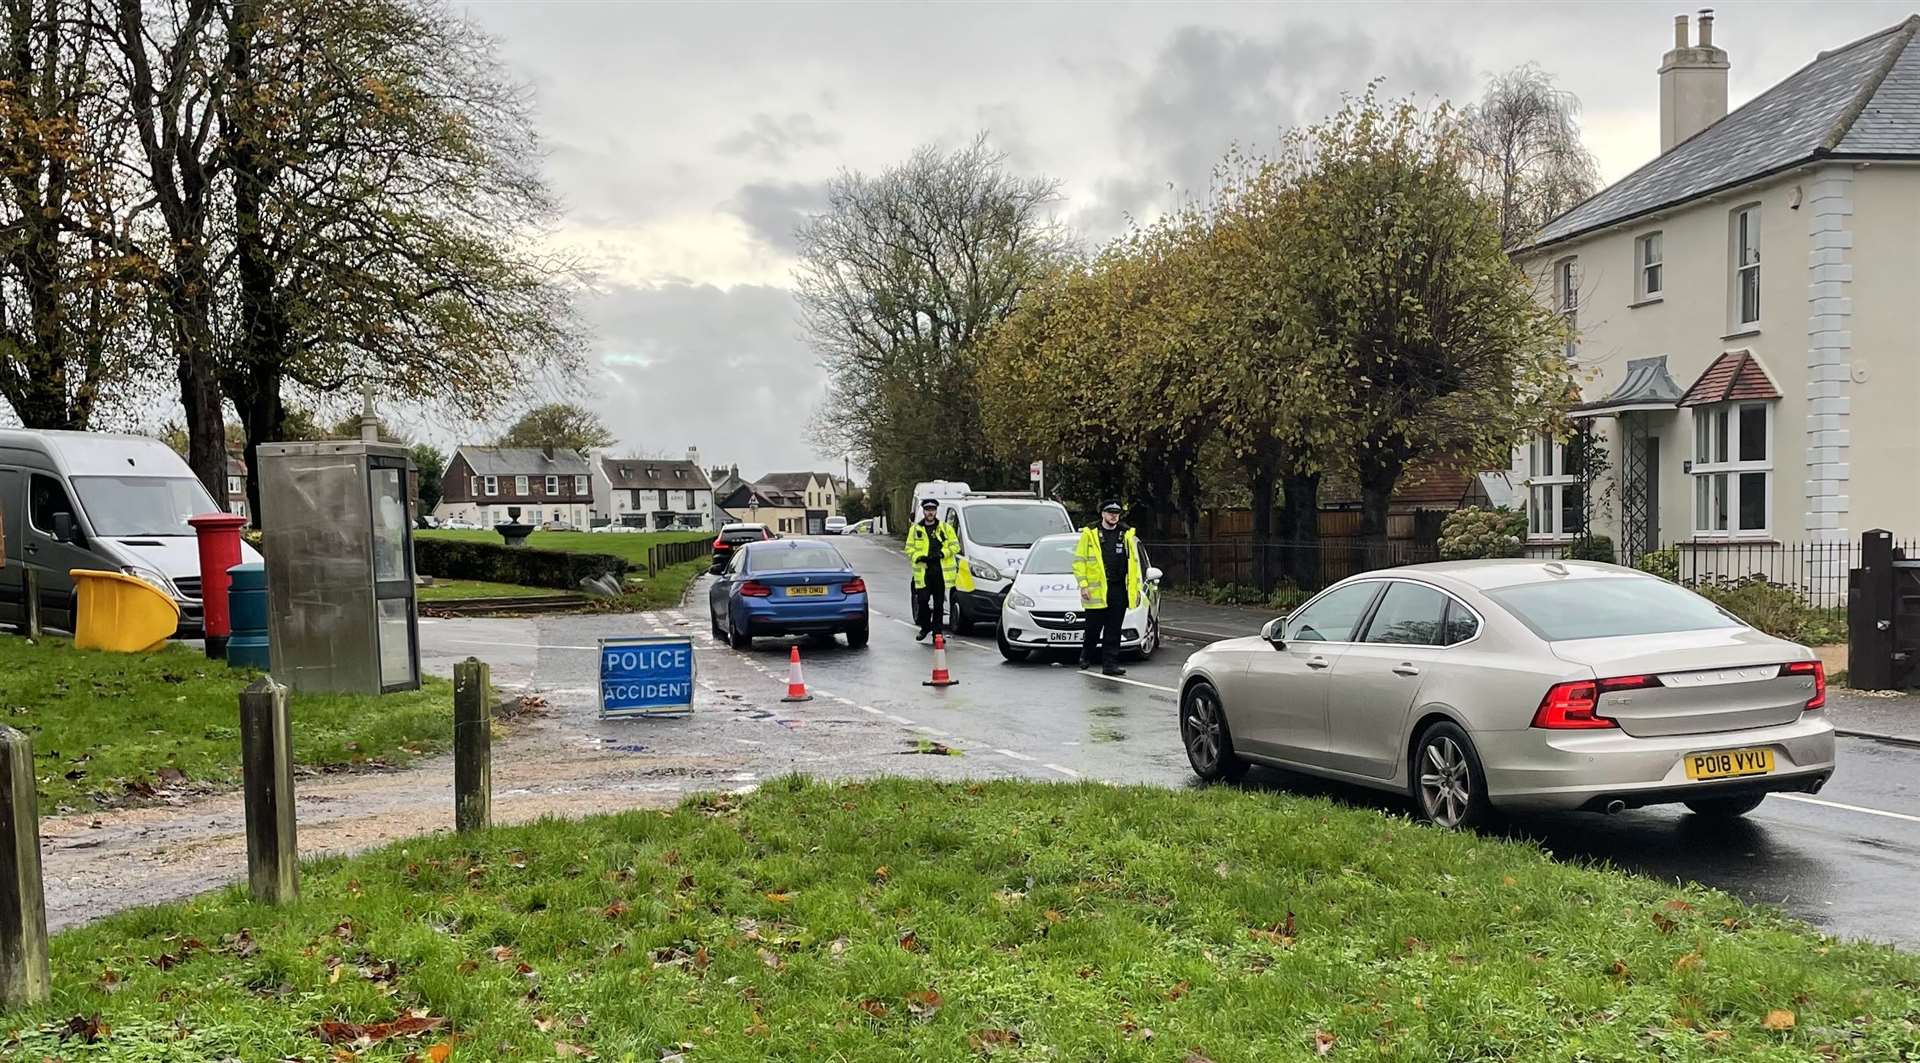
1043, 609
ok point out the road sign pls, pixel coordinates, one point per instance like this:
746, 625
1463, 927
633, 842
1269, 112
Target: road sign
646, 675
1035, 471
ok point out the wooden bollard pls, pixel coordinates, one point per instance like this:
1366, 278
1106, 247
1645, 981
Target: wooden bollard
266, 762
30, 605
472, 745
24, 979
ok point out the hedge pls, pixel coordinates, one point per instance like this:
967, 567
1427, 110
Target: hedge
457, 559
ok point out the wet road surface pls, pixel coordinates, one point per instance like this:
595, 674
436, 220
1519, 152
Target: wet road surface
1844, 860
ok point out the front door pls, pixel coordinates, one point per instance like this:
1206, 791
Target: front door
1284, 711
1375, 680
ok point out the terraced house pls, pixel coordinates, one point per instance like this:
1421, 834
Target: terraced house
1745, 317
548, 485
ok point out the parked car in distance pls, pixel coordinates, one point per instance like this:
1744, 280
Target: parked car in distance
1043, 609
615, 529
558, 525
836, 525
788, 587
95, 500
459, 524
732, 535
862, 527
1516, 685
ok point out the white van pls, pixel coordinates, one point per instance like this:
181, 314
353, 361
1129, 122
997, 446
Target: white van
996, 530
117, 503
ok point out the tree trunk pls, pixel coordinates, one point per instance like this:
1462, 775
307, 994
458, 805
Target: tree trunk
1300, 529
200, 384
1262, 483
259, 363
1379, 470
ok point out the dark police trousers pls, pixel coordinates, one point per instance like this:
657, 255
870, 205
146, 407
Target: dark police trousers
928, 600
1103, 634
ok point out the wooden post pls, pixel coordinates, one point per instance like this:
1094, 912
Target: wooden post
472, 745
24, 979
30, 604
266, 762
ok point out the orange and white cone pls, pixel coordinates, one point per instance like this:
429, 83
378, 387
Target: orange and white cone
796, 684
940, 676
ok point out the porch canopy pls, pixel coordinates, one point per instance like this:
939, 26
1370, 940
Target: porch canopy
1647, 387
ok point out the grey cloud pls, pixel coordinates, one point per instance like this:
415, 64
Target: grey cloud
1209, 88
772, 209
679, 365
775, 140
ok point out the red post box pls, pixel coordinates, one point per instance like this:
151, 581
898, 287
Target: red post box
219, 537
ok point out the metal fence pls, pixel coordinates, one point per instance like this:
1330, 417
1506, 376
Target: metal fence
1817, 571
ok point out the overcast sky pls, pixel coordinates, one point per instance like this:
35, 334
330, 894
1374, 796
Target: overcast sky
687, 140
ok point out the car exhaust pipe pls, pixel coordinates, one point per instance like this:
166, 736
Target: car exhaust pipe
1616, 806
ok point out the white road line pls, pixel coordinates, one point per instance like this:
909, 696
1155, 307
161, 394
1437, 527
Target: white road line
522, 645
935, 731
1061, 770
901, 720
1016, 756
1849, 808
1129, 682
871, 709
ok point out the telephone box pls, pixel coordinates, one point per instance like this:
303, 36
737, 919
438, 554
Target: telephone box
337, 532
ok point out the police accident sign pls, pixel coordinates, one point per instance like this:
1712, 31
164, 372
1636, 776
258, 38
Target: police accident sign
646, 675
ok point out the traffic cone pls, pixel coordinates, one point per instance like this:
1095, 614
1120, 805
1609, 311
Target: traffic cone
796, 684
940, 676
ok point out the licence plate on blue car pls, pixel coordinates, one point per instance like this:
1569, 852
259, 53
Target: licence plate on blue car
806, 592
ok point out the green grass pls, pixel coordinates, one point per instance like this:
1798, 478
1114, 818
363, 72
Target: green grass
102, 722
632, 546
901, 920
453, 590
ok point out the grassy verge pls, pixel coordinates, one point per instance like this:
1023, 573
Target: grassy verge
665, 590
631, 546
454, 590
108, 728
1016, 921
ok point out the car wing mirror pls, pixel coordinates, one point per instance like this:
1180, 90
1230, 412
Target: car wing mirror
1275, 632
1154, 575
63, 528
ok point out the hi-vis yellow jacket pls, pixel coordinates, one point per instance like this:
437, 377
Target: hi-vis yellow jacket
952, 571
1090, 569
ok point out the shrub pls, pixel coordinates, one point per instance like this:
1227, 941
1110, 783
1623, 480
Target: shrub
496, 563
1591, 548
1776, 609
1663, 563
1472, 534
1287, 597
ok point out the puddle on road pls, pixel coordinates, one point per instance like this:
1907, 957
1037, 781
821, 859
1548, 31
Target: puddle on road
1099, 734
1110, 712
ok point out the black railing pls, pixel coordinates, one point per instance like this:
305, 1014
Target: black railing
666, 555
1817, 572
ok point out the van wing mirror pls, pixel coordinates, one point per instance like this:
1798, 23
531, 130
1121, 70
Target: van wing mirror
64, 530
1275, 632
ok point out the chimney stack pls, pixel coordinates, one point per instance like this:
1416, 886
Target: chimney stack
1693, 83
693, 456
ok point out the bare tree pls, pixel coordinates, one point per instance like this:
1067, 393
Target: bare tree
1524, 151
898, 280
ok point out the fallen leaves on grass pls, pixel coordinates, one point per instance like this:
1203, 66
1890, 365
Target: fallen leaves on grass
1665, 925
569, 1050
911, 942
985, 1041
780, 898
1178, 991
1281, 935
615, 910
874, 1008
1690, 962
1779, 1020
438, 1053
1323, 1042
413, 1024
87, 1028
924, 1004
1619, 970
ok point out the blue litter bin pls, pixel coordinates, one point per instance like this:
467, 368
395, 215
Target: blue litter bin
247, 606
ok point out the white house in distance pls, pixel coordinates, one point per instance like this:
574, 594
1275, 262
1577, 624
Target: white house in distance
1745, 332
654, 493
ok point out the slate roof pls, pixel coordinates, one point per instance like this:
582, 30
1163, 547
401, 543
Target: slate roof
1648, 383
1860, 100
789, 482
523, 461
649, 474
1735, 376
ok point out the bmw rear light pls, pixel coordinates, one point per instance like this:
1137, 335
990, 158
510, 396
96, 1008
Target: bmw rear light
1819, 673
755, 589
1575, 706
856, 585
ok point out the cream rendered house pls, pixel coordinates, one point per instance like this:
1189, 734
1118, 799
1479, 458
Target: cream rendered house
1747, 309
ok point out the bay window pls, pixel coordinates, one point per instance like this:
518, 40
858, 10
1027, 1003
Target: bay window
1556, 493
1732, 470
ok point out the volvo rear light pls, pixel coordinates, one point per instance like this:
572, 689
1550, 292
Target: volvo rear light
1574, 706
856, 585
1819, 673
719, 544
755, 589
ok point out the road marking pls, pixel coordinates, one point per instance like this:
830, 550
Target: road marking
935, 731
1016, 756
1850, 808
1129, 682
871, 709
901, 720
522, 645
1061, 770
